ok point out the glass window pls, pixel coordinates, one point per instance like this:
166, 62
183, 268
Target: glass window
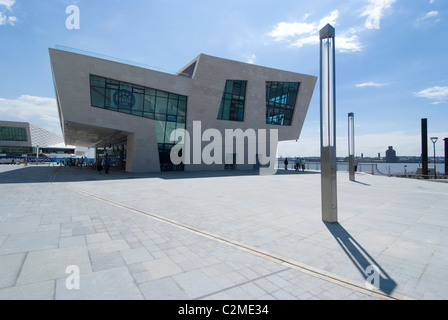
161, 104
150, 103
13, 134
233, 101
280, 102
170, 127
167, 109
97, 96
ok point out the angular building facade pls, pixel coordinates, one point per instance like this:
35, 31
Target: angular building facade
132, 111
20, 139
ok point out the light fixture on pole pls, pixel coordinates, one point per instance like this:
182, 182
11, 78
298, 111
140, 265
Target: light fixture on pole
434, 141
328, 124
351, 146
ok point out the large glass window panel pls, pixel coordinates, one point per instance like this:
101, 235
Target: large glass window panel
97, 96
281, 99
162, 94
13, 134
170, 127
137, 109
150, 103
182, 107
160, 131
109, 99
97, 81
172, 106
233, 101
161, 104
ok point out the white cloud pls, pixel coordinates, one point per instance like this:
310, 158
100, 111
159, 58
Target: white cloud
431, 14
349, 44
251, 59
285, 30
371, 84
299, 34
7, 3
437, 94
4, 20
374, 12
36, 110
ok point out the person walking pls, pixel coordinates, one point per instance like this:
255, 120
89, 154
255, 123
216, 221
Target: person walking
286, 163
107, 163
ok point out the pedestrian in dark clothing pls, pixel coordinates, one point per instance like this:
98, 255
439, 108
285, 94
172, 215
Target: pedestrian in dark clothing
107, 162
99, 165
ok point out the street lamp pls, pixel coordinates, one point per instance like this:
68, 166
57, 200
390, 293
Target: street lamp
328, 124
351, 146
434, 140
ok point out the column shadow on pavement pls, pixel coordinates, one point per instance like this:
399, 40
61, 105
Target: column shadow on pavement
361, 258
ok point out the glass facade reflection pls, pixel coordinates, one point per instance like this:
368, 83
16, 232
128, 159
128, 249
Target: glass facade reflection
280, 102
13, 134
167, 109
233, 100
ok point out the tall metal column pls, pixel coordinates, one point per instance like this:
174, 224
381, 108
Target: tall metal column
351, 146
446, 155
328, 124
425, 148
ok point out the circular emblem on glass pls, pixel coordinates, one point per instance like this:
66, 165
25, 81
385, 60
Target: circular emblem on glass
124, 99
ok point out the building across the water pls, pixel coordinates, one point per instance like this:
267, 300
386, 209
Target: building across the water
131, 112
391, 155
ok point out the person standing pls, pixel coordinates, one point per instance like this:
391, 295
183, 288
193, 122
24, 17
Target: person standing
286, 163
99, 165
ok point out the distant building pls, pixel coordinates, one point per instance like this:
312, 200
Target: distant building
391, 155
22, 139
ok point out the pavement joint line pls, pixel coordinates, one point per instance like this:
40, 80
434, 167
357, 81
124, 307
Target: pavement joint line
242, 283
304, 268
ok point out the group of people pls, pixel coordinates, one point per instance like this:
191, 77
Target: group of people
299, 164
77, 163
103, 163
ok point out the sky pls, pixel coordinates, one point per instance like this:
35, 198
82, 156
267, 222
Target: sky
391, 68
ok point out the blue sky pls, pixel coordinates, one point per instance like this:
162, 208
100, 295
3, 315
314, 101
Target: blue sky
391, 56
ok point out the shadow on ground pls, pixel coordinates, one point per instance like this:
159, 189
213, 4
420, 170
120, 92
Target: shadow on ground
42, 174
362, 260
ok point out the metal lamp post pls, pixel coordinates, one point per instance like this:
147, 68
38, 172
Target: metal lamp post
37, 155
434, 140
446, 156
351, 146
328, 124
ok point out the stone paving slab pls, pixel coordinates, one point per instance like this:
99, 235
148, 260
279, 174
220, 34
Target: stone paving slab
217, 236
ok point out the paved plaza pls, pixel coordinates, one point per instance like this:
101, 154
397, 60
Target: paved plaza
218, 235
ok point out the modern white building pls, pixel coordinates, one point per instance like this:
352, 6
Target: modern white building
22, 139
131, 111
